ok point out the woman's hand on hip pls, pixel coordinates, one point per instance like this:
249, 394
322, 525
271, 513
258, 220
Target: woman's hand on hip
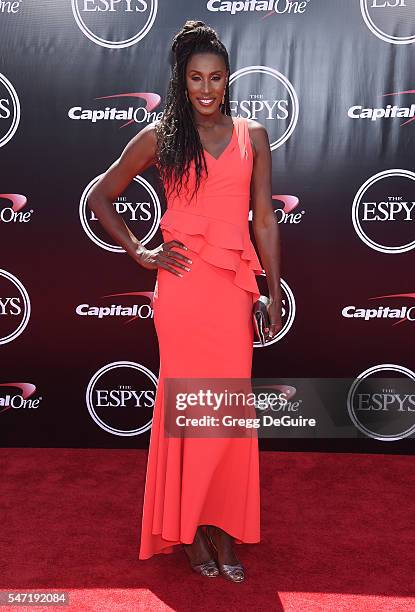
164, 257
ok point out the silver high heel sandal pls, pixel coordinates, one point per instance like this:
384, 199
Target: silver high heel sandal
235, 573
208, 568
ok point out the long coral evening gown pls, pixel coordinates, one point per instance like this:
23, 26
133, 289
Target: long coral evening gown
199, 481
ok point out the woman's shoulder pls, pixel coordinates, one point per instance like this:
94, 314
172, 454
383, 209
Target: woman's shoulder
254, 127
258, 134
150, 130
149, 137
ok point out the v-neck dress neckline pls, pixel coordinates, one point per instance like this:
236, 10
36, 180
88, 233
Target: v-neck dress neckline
217, 159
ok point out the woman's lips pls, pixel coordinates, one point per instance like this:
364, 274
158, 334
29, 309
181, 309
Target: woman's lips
201, 101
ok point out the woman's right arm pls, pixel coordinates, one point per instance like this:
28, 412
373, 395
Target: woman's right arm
138, 155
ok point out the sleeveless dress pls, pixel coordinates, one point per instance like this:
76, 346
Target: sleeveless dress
199, 481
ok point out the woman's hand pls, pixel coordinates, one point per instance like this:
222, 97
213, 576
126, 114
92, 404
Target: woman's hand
164, 257
274, 311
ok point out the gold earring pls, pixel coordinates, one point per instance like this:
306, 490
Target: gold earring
223, 99
185, 93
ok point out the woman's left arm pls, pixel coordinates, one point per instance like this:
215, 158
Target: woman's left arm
264, 221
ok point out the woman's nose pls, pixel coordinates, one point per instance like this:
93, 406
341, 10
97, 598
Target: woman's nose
205, 88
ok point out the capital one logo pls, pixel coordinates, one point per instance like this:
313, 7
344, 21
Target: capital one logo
14, 307
265, 95
130, 312
120, 398
390, 20
383, 211
13, 209
400, 310
288, 309
383, 407
130, 20
285, 211
9, 110
18, 396
271, 7
390, 111
139, 207
132, 114
10, 8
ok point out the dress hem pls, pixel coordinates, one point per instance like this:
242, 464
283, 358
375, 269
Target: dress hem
168, 548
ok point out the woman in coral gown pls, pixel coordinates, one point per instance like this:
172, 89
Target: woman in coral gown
203, 493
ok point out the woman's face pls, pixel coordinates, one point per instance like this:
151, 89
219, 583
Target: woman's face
206, 79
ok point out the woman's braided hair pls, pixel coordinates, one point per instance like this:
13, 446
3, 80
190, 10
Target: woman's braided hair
178, 141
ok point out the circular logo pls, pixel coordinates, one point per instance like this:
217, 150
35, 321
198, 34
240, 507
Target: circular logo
383, 207
383, 408
120, 398
9, 110
288, 310
385, 18
15, 307
141, 211
268, 96
130, 19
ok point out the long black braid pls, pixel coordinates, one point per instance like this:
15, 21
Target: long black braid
178, 140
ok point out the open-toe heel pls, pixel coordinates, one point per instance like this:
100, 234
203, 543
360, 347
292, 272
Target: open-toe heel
235, 573
208, 568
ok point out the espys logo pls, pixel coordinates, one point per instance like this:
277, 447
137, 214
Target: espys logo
22, 400
120, 398
390, 20
264, 94
11, 211
140, 208
288, 309
285, 214
386, 112
128, 20
14, 307
9, 110
10, 7
400, 312
139, 114
383, 408
131, 312
383, 211
272, 7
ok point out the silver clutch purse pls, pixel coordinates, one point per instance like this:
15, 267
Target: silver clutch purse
261, 317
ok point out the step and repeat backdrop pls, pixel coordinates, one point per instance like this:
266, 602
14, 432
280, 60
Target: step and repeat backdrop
333, 82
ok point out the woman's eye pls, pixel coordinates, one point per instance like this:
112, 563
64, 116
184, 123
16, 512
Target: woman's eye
216, 78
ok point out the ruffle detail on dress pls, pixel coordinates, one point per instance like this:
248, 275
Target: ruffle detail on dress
218, 242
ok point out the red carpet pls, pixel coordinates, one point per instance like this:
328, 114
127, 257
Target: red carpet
336, 535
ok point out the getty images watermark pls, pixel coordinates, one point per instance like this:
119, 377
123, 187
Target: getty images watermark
219, 407
382, 408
